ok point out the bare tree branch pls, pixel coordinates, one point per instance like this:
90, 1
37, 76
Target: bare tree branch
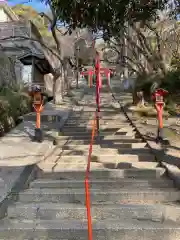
53, 27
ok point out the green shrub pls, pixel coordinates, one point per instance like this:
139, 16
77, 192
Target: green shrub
13, 104
171, 82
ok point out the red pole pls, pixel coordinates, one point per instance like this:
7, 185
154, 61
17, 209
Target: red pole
159, 109
88, 208
90, 78
88, 204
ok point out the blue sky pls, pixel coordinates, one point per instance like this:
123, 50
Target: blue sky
34, 3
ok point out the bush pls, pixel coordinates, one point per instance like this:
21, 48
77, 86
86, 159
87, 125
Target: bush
13, 104
171, 82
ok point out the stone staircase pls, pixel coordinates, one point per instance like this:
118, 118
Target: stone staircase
131, 198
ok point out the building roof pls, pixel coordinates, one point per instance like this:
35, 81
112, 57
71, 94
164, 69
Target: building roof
8, 10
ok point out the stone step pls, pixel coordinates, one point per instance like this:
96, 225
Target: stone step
78, 121
104, 183
102, 173
85, 132
55, 211
81, 141
106, 157
83, 159
91, 117
77, 230
123, 196
102, 135
119, 136
126, 140
88, 136
113, 149
107, 111
88, 133
102, 125
47, 117
77, 164
108, 144
103, 143
89, 130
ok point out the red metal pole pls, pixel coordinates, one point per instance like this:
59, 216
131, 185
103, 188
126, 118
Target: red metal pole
88, 204
88, 208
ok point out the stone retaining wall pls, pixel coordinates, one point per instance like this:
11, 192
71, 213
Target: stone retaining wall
7, 70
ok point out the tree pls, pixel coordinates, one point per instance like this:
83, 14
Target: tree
49, 43
57, 45
29, 13
108, 16
150, 49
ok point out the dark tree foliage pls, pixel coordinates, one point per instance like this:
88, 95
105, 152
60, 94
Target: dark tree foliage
106, 15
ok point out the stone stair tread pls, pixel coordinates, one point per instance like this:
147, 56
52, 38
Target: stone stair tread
46, 210
63, 166
48, 205
86, 137
115, 144
106, 152
87, 141
126, 140
128, 195
104, 181
98, 154
84, 133
101, 173
79, 163
96, 191
109, 157
77, 224
120, 171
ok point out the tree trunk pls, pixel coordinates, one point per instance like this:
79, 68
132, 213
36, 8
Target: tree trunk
77, 78
134, 97
57, 91
66, 78
141, 101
